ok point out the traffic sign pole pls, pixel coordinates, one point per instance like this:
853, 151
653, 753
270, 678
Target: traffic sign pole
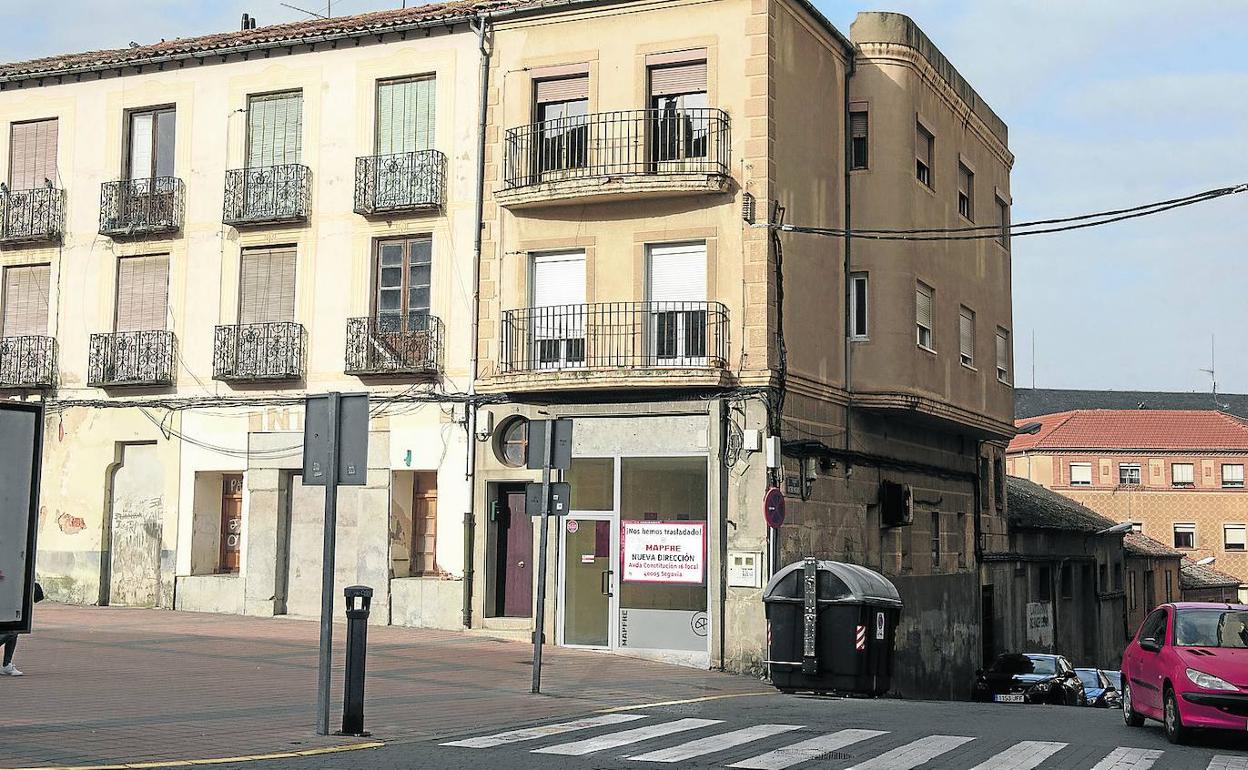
327, 569
541, 561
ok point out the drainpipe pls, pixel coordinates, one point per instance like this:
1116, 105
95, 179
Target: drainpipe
847, 267
481, 24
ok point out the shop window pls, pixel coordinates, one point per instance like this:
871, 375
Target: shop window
593, 483
231, 522
424, 523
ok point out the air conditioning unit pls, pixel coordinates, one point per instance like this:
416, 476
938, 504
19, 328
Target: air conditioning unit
896, 504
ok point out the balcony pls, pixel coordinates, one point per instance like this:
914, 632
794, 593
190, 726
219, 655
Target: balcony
122, 359
258, 352
267, 195
394, 345
27, 362
616, 156
136, 208
31, 216
667, 343
397, 184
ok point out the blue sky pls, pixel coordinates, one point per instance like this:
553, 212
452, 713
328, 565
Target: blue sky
1109, 104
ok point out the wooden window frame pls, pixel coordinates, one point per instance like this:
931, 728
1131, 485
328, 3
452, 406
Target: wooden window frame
428, 528
128, 136
223, 568
405, 288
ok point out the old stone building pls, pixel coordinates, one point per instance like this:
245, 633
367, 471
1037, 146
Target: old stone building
455, 210
1152, 576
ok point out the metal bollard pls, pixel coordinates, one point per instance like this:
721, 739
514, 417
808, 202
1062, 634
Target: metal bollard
358, 600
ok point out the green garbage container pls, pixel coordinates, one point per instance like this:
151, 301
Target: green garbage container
831, 627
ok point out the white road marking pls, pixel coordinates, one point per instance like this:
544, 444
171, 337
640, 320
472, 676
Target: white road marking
1228, 762
1021, 756
807, 750
532, 733
714, 743
914, 754
636, 735
1123, 758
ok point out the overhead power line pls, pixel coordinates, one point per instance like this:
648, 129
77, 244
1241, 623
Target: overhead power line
1034, 227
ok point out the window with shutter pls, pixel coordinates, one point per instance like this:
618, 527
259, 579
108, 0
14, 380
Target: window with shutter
966, 336
1185, 536
858, 135
1003, 221
32, 154
151, 137
678, 100
274, 129
26, 300
562, 109
923, 301
1182, 475
405, 115
923, 142
558, 312
1232, 475
267, 285
966, 193
142, 293
1233, 537
858, 309
676, 289
1003, 355
1080, 474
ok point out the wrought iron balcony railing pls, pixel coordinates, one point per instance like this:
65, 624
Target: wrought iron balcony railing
260, 351
408, 181
266, 195
31, 216
394, 344
616, 335
139, 207
628, 143
131, 358
27, 362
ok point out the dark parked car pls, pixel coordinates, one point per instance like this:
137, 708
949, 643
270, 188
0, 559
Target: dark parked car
1099, 688
1030, 678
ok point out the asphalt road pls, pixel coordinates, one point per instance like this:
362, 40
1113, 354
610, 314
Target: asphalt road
776, 732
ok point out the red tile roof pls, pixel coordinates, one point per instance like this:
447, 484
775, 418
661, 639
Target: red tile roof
376, 22
1144, 429
1139, 544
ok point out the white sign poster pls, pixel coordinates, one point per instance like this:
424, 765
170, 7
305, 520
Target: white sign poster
1040, 625
663, 551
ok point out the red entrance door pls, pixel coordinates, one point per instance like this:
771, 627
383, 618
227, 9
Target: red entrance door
515, 540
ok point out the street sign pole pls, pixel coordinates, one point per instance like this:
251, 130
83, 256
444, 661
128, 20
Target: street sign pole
541, 560
327, 568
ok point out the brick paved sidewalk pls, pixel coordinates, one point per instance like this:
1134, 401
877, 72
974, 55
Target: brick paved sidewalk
110, 685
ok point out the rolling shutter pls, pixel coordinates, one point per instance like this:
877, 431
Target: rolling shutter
26, 300
686, 78
923, 306
267, 286
559, 279
274, 129
405, 115
142, 293
32, 154
966, 335
858, 124
1003, 352
562, 89
922, 145
677, 273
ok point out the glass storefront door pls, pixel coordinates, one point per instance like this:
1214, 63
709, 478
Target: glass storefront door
587, 580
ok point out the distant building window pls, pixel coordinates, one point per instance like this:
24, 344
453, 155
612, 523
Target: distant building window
1080, 474
923, 151
1233, 537
1185, 536
998, 478
1003, 221
1137, 526
858, 296
858, 122
1117, 576
1067, 582
1169, 586
924, 299
1129, 474
1103, 576
935, 538
1232, 476
1044, 583
966, 192
1182, 475
966, 336
1003, 356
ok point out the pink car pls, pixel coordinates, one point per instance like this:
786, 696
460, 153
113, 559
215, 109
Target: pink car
1188, 667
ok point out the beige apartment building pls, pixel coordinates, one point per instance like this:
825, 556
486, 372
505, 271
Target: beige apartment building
258, 215
1176, 475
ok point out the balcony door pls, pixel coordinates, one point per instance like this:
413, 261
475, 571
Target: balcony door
557, 332
561, 144
402, 333
405, 127
32, 154
676, 292
149, 197
26, 301
680, 122
274, 140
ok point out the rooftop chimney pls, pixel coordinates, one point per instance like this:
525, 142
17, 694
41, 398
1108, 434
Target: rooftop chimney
249, 22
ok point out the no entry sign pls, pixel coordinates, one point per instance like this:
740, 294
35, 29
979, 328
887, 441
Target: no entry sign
773, 507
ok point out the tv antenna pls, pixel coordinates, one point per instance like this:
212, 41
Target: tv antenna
1212, 372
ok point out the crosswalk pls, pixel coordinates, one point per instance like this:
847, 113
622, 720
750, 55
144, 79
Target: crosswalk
743, 747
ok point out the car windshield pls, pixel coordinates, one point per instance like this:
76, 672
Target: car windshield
1211, 628
1115, 678
1023, 664
1088, 677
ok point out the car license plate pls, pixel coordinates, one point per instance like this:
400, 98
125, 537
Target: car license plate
1008, 698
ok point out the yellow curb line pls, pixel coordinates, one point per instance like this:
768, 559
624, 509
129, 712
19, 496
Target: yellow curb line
217, 760
663, 703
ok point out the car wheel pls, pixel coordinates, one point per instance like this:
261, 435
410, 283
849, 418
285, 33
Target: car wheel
1128, 713
1175, 731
